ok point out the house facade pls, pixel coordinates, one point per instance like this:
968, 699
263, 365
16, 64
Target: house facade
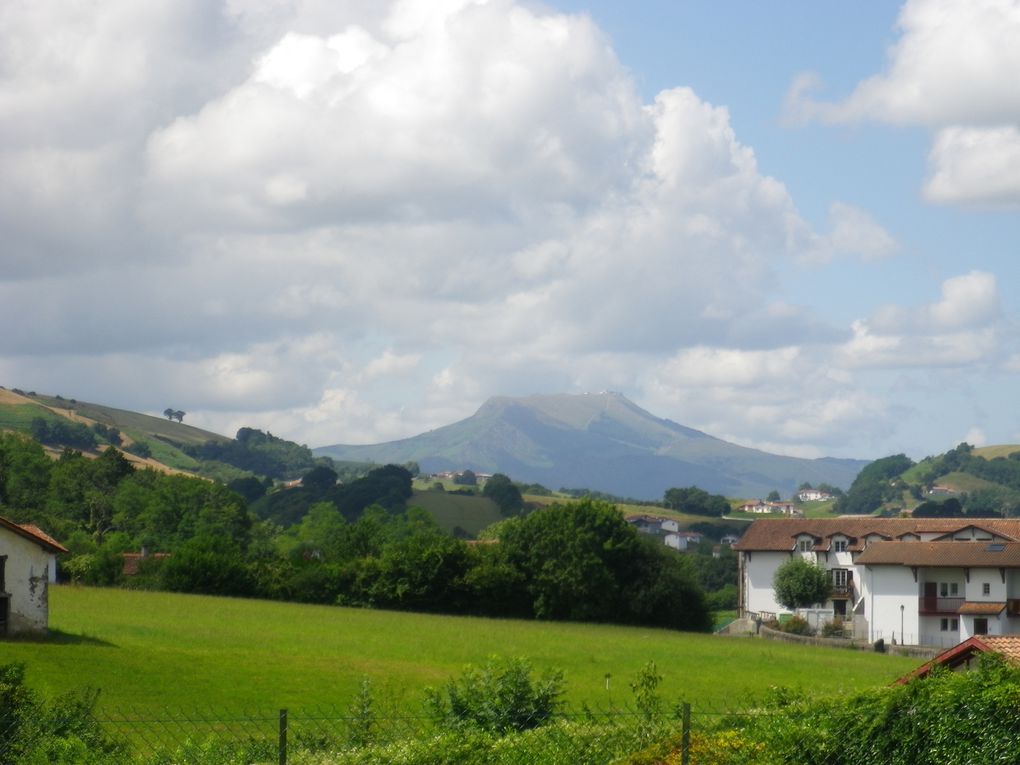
761, 507
812, 495
682, 540
918, 581
27, 566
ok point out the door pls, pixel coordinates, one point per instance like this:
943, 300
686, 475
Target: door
931, 594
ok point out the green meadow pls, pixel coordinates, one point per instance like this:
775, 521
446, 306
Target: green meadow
150, 651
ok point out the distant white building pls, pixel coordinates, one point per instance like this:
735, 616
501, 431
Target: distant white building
683, 540
761, 507
813, 495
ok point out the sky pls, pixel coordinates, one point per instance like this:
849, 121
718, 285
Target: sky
791, 225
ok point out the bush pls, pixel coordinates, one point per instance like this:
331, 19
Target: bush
834, 629
796, 625
498, 698
62, 732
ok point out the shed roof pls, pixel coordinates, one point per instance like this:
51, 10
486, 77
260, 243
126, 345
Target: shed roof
1007, 646
34, 534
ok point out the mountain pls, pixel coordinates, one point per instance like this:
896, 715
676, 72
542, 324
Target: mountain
599, 441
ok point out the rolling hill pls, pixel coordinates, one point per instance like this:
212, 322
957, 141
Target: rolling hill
598, 441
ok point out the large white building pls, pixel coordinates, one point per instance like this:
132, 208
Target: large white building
920, 581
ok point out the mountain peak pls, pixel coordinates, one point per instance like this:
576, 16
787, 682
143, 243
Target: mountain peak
600, 441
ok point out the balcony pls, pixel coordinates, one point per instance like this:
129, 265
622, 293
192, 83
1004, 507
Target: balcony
934, 605
842, 592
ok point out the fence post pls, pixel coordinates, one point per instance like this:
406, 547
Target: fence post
685, 735
283, 737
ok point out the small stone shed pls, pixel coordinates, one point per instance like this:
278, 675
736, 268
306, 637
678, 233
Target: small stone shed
28, 563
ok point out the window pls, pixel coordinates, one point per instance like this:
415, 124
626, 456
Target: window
839, 577
805, 545
949, 589
3, 565
839, 545
986, 589
949, 625
980, 626
943, 589
954, 589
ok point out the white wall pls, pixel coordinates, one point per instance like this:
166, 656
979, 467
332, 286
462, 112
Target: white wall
26, 576
885, 589
993, 578
758, 572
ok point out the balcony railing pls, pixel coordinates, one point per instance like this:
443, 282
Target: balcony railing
843, 591
934, 605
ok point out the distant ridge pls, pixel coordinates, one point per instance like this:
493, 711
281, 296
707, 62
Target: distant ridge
600, 441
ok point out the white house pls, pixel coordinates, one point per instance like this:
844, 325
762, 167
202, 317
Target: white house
929, 581
682, 540
27, 566
761, 507
812, 495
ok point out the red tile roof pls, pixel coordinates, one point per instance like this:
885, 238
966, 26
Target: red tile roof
133, 560
950, 554
780, 534
1006, 645
977, 608
33, 534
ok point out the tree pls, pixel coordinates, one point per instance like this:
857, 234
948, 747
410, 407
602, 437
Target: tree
467, 478
179, 415
799, 584
319, 479
582, 561
773, 496
696, 501
169, 413
501, 490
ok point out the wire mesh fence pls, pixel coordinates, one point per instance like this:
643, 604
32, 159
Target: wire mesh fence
329, 736
911, 725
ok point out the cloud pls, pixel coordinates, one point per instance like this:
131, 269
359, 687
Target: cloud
949, 71
975, 166
959, 330
969, 301
976, 437
946, 68
855, 231
354, 221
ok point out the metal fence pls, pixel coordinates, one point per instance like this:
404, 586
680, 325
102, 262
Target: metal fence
884, 728
328, 736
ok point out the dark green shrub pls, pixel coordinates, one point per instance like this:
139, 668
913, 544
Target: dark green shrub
499, 697
61, 732
796, 625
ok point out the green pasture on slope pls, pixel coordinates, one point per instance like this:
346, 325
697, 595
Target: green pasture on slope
150, 651
471, 513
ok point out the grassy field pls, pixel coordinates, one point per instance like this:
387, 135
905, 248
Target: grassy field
152, 651
20, 416
451, 510
1001, 450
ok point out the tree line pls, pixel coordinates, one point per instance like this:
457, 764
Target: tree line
355, 543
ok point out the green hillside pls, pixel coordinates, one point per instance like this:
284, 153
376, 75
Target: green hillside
154, 651
962, 482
